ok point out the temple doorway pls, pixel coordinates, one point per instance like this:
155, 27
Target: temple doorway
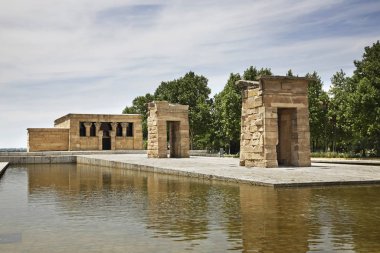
106, 139
286, 127
174, 139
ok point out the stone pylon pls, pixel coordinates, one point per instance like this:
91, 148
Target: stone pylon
275, 122
168, 129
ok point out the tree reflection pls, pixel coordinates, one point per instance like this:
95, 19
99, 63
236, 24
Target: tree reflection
242, 217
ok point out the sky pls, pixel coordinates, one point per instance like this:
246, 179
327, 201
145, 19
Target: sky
95, 56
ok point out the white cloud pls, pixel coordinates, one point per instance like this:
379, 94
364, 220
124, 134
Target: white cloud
95, 56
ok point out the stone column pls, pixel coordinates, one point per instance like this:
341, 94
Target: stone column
99, 133
124, 126
88, 127
113, 135
137, 135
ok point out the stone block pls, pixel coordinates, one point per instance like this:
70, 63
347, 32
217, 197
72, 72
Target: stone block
249, 163
271, 113
253, 128
259, 141
258, 122
253, 156
270, 155
270, 164
256, 136
260, 117
253, 92
269, 134
271, 126
257, 149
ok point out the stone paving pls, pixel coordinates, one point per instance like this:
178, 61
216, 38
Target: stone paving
228, 169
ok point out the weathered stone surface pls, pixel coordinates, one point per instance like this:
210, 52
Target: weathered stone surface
275, 114
164, 118
47, 139
67, 136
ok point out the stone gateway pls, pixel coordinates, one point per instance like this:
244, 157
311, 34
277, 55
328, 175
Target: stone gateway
74, 132
275, 122
168, 122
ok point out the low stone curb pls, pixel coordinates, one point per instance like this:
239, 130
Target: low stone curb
348, 161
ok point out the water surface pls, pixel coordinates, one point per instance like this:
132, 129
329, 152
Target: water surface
76, 208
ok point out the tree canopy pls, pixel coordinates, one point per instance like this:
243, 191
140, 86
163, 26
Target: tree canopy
346, 118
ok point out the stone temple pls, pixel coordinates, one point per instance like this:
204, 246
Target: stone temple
168, 122
275, 122
74, 132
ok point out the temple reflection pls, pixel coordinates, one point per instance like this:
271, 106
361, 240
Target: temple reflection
247, 218
274, 220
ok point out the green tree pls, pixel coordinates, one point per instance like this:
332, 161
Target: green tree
318, 108
228, 111
289, 73
365, 99
252, 73
139, 106
192, 90
341, 134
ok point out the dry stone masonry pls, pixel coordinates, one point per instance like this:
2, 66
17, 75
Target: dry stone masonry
275, 122
168, 121
74, 132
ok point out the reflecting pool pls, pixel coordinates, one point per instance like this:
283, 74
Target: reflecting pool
77, 208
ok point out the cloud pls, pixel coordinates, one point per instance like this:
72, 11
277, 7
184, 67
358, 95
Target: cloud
95, 56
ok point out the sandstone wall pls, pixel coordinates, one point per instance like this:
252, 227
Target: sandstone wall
123, 143
262, 103
161, 116
88, 142
48, 139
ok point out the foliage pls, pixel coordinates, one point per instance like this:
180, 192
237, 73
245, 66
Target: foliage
227, 115
364, 105
334, 155
339, 118
192, 90
354, 110
227, 110
139, 106
344, 122
318, 106
289, 73
253, 74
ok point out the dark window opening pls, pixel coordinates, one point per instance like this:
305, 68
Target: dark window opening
82, 129
105, 126
119, 130
106, 140
130, 130
93, 130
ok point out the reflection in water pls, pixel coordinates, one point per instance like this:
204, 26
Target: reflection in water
275, 220
81, 209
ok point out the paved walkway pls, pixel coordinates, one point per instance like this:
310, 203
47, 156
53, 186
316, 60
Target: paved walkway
228, 169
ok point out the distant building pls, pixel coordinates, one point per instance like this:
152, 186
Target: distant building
75, 132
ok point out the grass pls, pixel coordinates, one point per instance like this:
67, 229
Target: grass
336, 155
